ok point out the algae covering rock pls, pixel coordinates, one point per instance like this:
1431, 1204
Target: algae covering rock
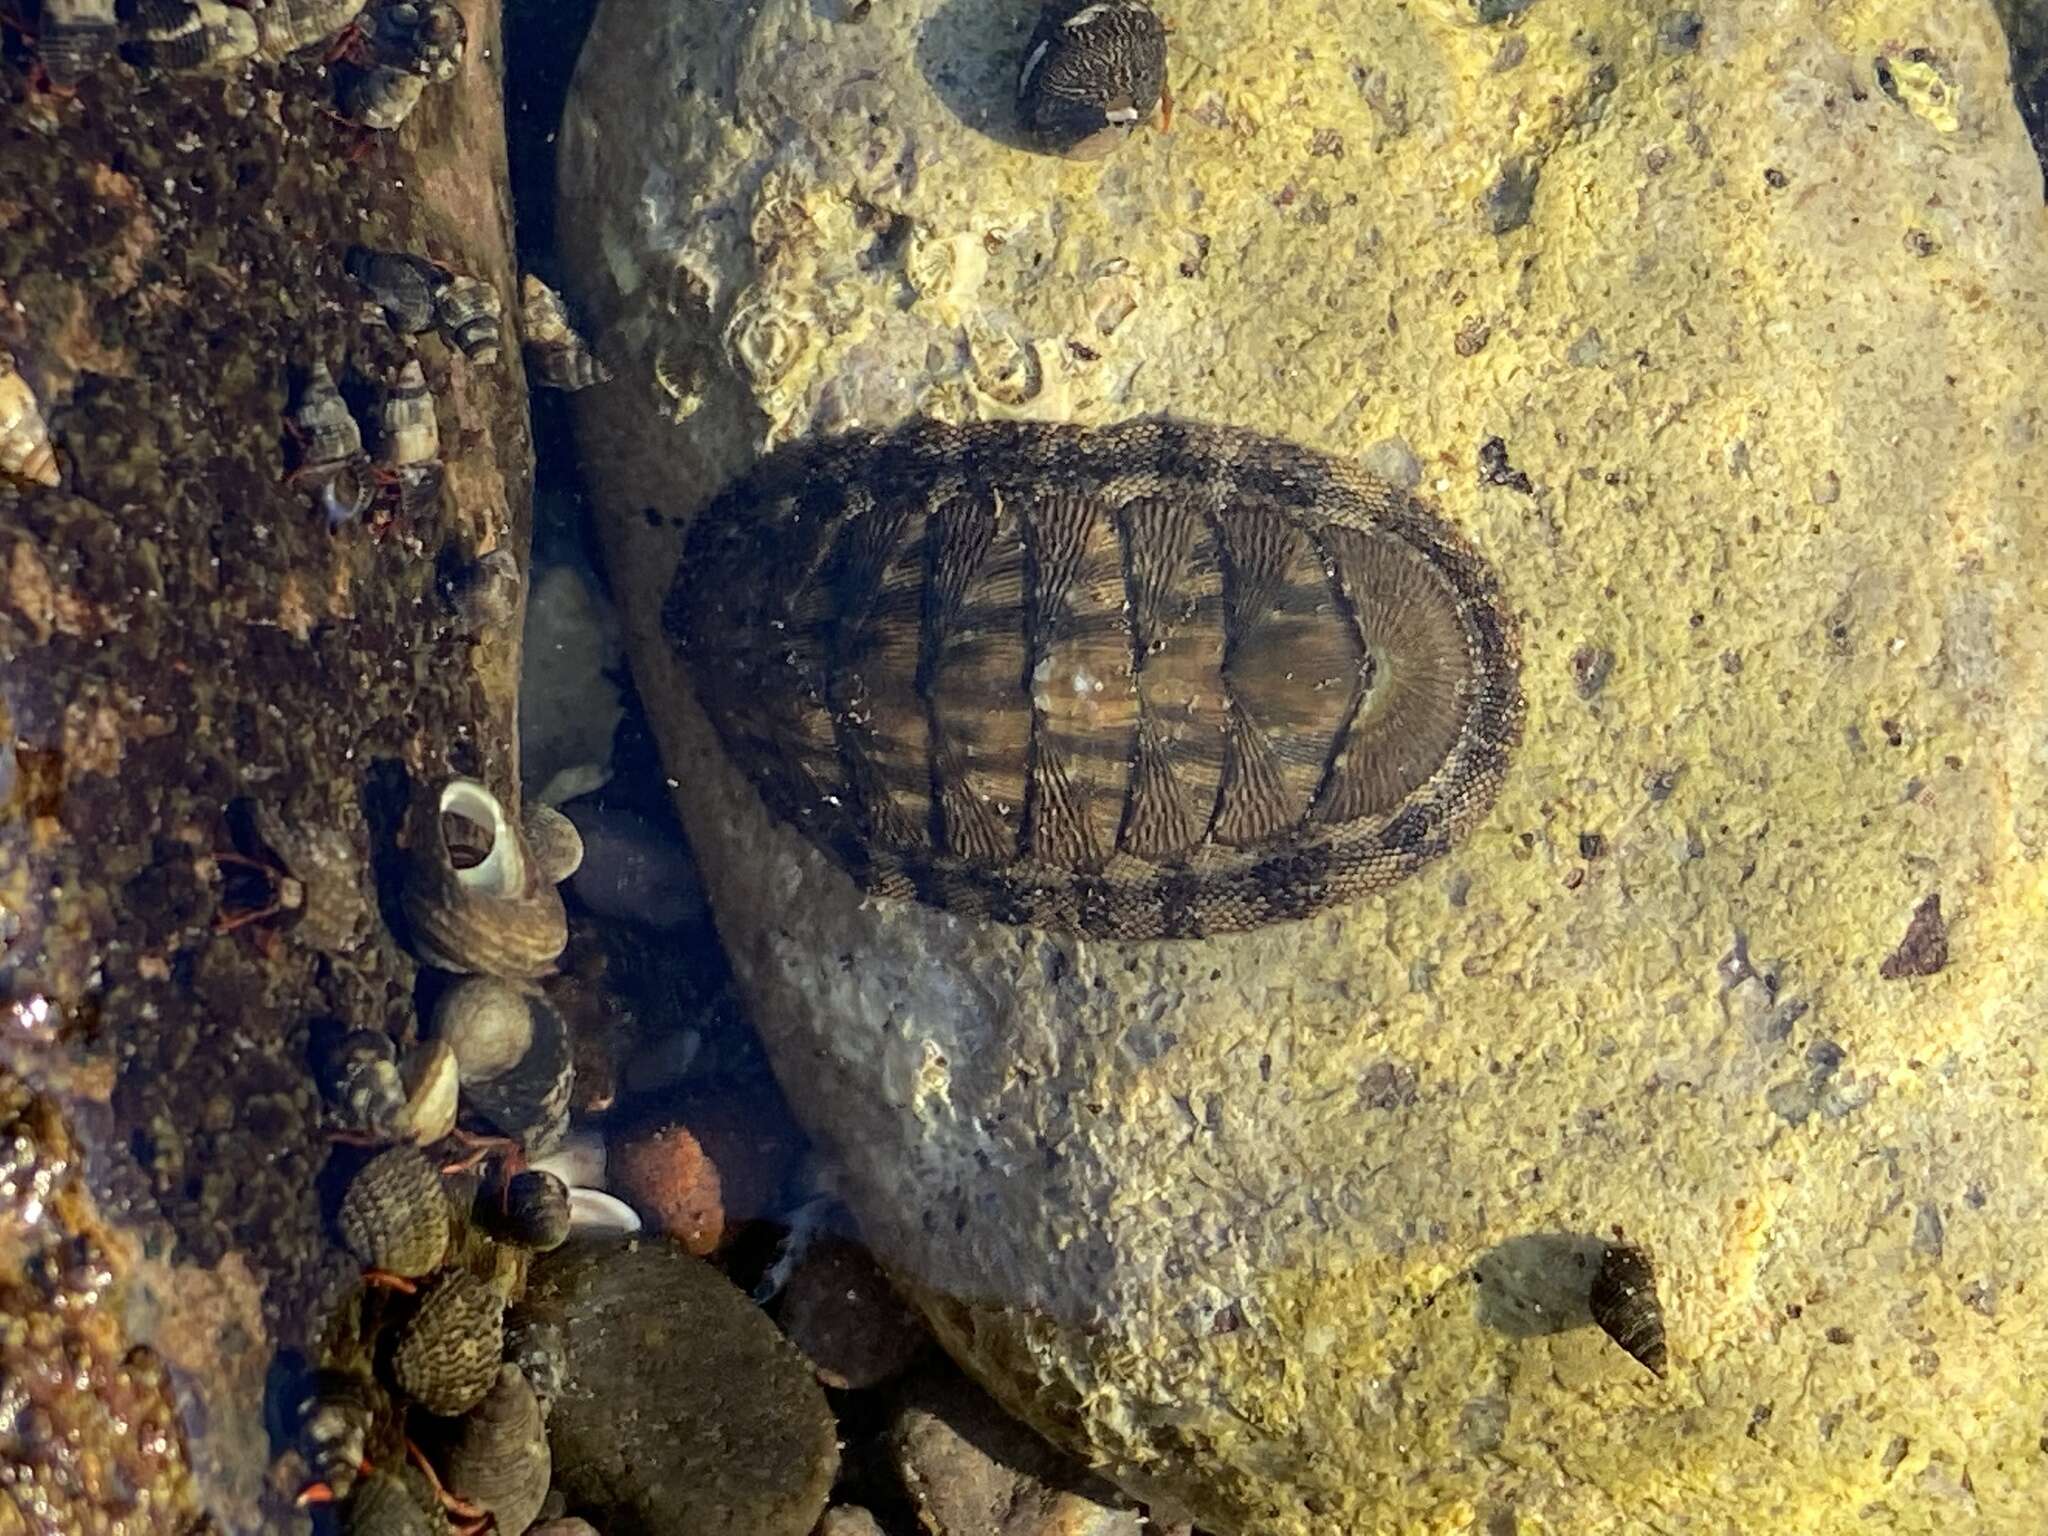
681, 1408
1717, 330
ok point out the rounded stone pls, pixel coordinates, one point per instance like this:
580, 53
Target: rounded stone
681, 1408
1299, 1227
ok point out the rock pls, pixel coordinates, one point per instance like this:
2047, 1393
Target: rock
848, 1520
973, 1471
568, 708
840, 1310
682, 1409
1212, 1210
634, 869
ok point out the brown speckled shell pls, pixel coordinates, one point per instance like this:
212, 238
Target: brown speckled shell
447, 1354
1147, 681
499, 1455
1624, 1303
394, 1216
514, 926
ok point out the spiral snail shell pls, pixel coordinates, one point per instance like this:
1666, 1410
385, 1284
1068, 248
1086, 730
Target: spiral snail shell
512, 1053
447, 1353
498, 1457
335, 1416
559, 356
475, 895
394, 1216
24, 436
382, 97
1624, 1303
75, 38
1093, 71
403, 284
285, 26
359, 1073
557, 845
534, 1211
471, 312
383, 1505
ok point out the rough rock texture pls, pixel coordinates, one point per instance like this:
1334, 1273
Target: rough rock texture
682, 1409
195, 670
971, 1470
1718, 329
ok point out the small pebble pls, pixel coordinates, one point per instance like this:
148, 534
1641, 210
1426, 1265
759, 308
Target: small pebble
841, 1311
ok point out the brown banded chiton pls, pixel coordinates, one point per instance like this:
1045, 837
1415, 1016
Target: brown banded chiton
1154, 680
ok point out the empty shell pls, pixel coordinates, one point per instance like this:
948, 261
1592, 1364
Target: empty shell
25, 449
475, 896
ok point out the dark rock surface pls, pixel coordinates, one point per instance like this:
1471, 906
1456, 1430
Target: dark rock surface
683, 1410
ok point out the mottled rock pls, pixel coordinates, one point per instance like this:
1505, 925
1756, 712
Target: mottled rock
971, 1470
840, 1310
568, 708
848, 1520
1213, 1210
682, 1409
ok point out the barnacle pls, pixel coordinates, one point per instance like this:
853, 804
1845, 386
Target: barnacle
475, 896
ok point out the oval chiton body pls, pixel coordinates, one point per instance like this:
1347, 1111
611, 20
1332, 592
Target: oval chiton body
1155, 680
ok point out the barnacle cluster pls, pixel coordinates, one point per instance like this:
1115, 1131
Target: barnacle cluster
89, 1436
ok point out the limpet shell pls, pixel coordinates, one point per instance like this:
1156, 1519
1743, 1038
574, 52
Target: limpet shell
499, 1455
448, 1351
395, 1215
480, 903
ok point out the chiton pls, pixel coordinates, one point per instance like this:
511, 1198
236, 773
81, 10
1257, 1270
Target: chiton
1154, 680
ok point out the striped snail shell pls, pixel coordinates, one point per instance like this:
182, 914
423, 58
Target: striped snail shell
402, 283
1624, 1303
286, 26
1093, 71
190, 34
335, 1416
475, 895
560, 357
75, 37
408, 432
448, 1351
499, 1454
470, 312
394, 1216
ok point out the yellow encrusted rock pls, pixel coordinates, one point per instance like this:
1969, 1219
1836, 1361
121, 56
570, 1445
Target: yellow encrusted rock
1719, 329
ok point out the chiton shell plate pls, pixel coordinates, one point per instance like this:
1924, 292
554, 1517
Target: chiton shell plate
1154, 680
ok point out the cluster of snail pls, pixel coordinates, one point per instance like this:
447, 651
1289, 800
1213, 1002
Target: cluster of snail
424, 1345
